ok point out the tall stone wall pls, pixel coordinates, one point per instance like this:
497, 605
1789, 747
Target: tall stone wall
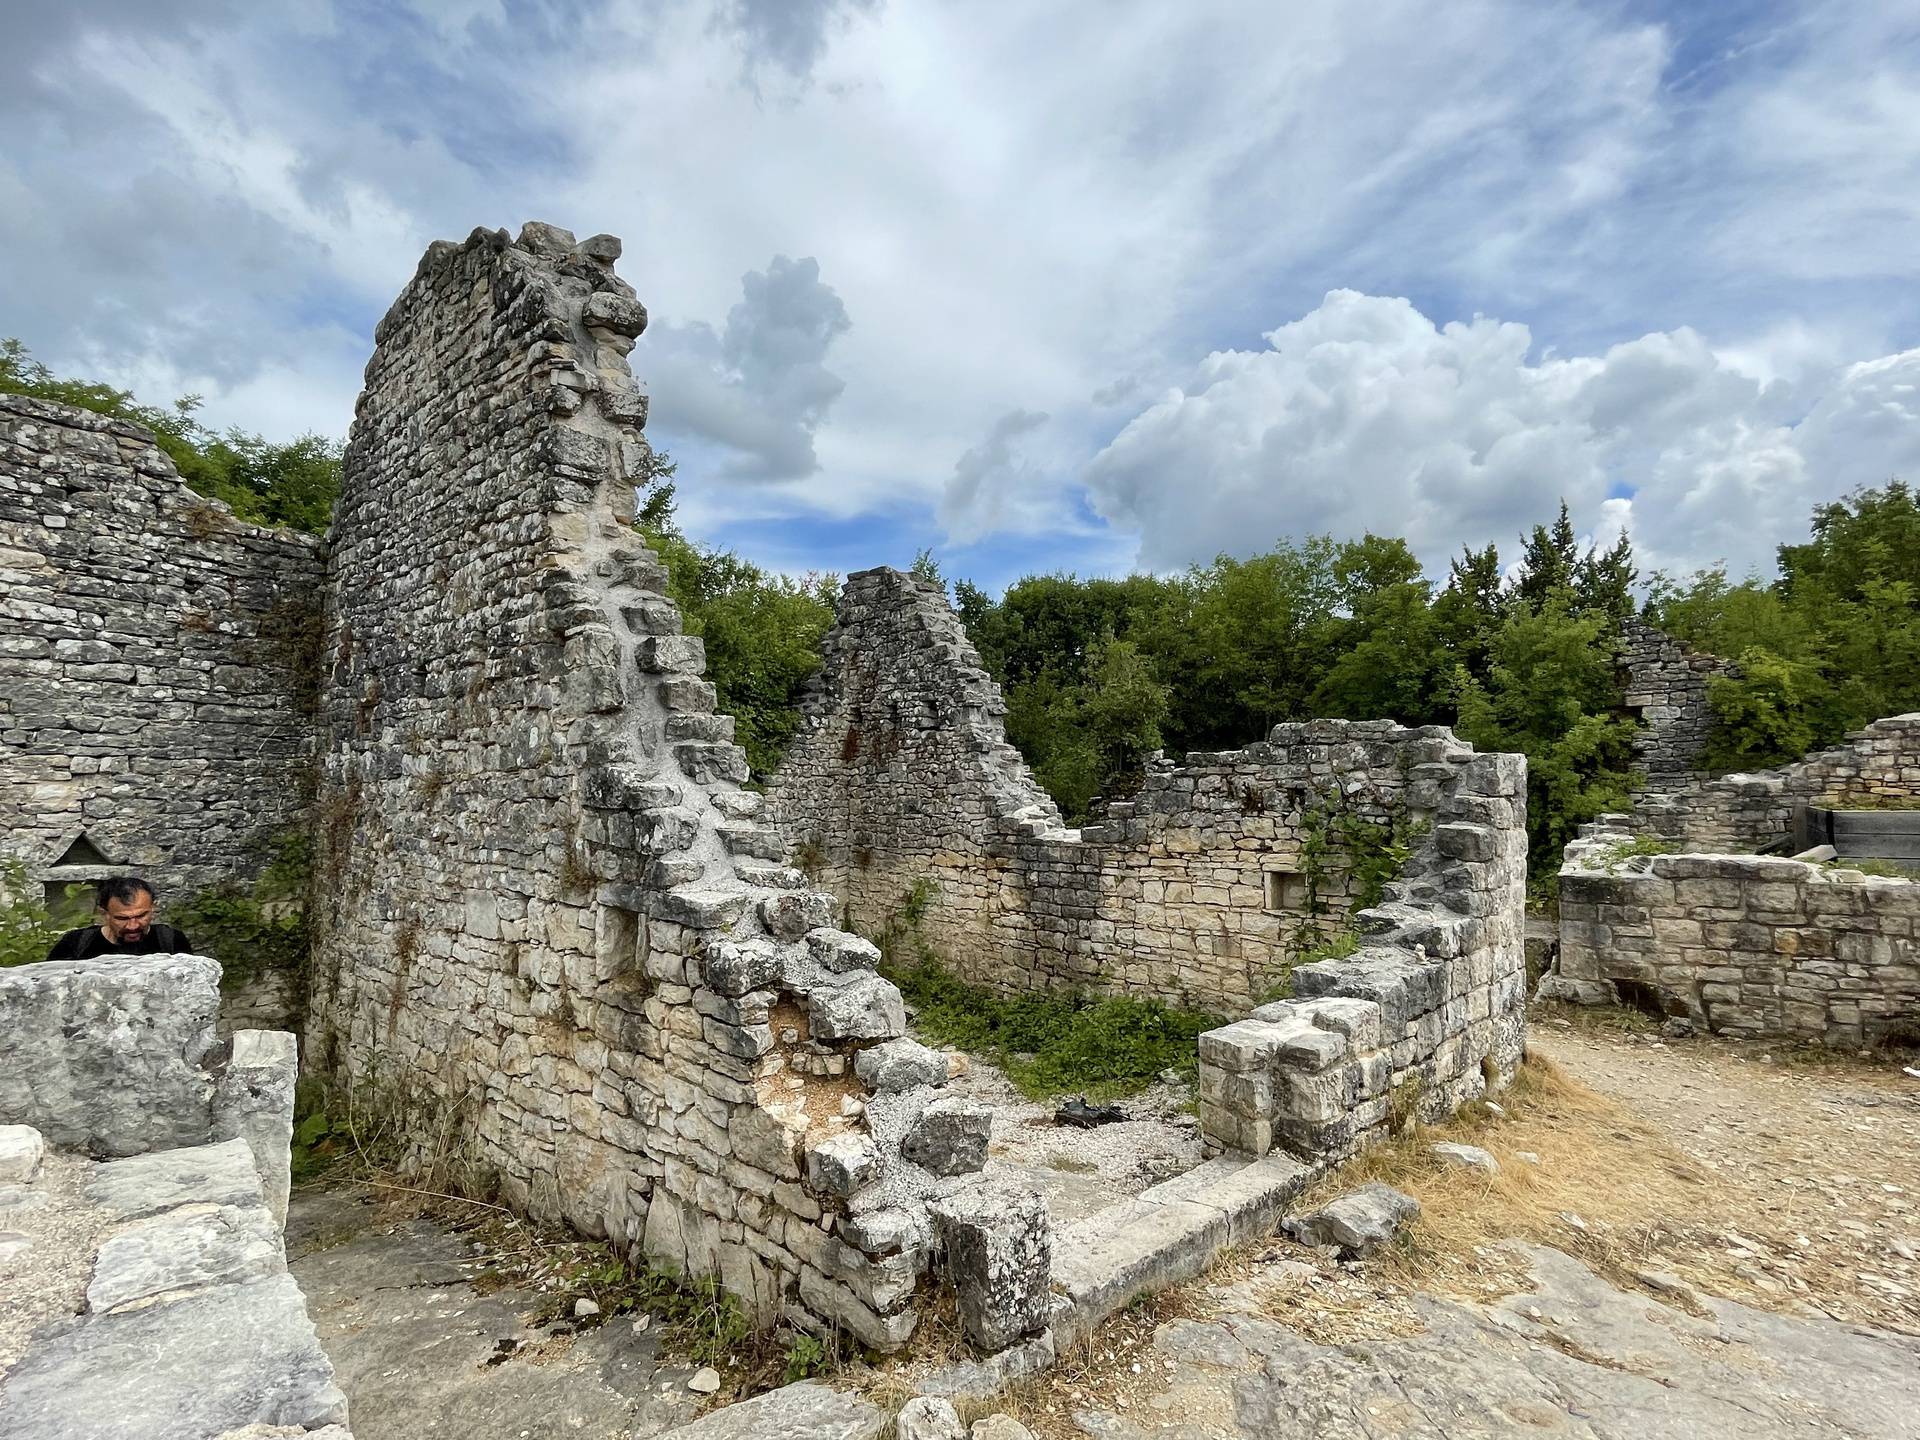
155, 662
1744, 945
1203, 889
552, 911
1667, 690
1746, 812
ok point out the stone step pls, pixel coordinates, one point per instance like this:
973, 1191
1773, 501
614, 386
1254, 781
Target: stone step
700, 909
707, 762
652, 615
700, 727
739, 803
768, 873
1166, 1235
671, 654
637, 569
742, 837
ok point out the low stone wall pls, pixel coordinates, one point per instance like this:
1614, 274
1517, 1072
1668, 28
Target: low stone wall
1743, 945
1748, 811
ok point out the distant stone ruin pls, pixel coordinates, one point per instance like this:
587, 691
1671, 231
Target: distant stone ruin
1743, 943
1666, 691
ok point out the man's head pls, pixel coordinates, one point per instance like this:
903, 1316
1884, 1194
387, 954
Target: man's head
126, 908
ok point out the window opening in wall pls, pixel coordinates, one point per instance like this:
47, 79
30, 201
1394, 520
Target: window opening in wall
82, 852
1286, 891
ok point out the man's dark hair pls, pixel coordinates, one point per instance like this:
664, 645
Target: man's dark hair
124, 888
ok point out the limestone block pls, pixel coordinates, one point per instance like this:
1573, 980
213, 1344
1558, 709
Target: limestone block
184, 1250
791, 915
254, 1102
806, 1411
900, 1064
21, 1150
863, 1007
234, 1356
739, 967
950, 1137
104, 1055
928, 1417
1358, 1223
841, 1164
1464, 1157
841, 951
999, 1247
204, 1175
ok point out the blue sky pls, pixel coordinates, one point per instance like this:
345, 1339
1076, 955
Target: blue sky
1079, 286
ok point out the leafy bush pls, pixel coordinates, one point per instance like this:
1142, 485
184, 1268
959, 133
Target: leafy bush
1053, 1044
252, 932
27, 932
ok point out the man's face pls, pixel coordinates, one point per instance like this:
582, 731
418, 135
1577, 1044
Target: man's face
127, 920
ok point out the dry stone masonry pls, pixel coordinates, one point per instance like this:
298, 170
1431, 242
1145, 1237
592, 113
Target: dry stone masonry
155, 667
1667, 690
551, 908
1206, 888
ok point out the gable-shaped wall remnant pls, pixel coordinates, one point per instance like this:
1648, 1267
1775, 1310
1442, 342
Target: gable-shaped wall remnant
155, 666
1666, 690
554, 922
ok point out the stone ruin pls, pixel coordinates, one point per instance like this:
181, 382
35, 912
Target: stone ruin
1739, 942
546, 904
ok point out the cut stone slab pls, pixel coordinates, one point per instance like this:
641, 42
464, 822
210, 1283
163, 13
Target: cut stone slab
21, 1150
185, 1250
254, 1102
1357, 1224
950, 1137
793, 1412
222, 1174
1464, 1157
236, 1356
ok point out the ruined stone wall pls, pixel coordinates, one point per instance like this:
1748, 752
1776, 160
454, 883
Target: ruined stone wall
1743, 945
552, 911
1667, 690
1745, 812
155, 662
1200, 890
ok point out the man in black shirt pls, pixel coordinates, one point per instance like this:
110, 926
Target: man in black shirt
126, 926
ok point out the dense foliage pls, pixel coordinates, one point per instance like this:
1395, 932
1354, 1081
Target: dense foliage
1830, 645
267, 484
762, 630
27, 931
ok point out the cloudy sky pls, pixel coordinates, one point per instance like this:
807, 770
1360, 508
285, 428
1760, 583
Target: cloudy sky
1077, 285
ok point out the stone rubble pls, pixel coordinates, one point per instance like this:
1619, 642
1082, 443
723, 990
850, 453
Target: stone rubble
1356, 1224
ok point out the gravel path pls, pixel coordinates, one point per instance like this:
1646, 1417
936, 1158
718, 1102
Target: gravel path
1817, 1164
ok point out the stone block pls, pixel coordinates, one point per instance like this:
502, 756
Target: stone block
841, 951
253, 1101
182, 1251
864, 1007
842, 1164
999, 1249
1359, 1223
789, 916
22, 1149
950, 1137
901, 1064
806, 1411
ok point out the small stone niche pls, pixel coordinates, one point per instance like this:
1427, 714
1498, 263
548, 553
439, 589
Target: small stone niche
1286, 891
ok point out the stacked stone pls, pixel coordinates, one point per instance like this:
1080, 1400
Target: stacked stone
1667, 690
556, 904
1742, 945
1745, 812
1433, 999
151, 678
902, 774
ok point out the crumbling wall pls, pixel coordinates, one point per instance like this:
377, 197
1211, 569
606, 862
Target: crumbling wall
1667, 690
1202, 889
551, 909
1743, 945
1746, 812
156, 668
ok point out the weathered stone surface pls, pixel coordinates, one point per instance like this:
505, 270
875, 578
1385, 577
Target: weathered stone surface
154, 722
234, 1356
21, 1150
104, 1055
900, 1065
185, 1250
1359, 1223
806, 1411
999, 1246
864, 1007
1465, 1157
841, 1164
223, 1174
928, 1417
253, 1101
791, 914
999, 1427
841, 950
950, 1137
